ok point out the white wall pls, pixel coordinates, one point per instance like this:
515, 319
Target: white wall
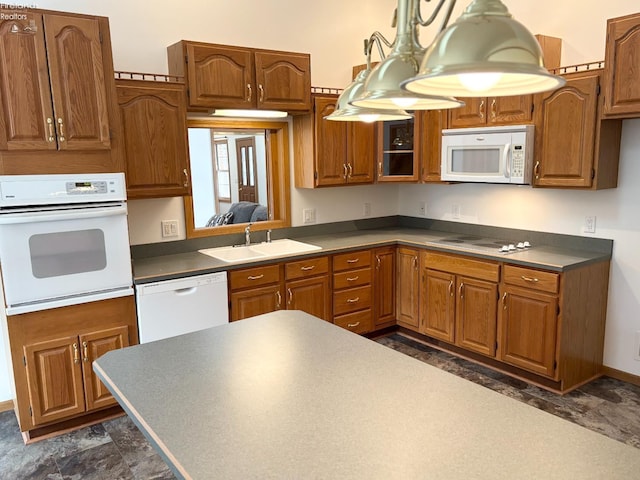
332, 32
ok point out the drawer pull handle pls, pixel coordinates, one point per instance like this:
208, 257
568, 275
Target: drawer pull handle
290, 294
378, 262
85, 351
461, 290
255, 277
344, 168
415, 262
536, 170
353, 279
451, 288
261, 89
353, 325
353, 260
60, 130
481, 109
250, 92
51, 137
504, 301
529, 279
306, 268
353, 300
76, 354
278, 300
186, 177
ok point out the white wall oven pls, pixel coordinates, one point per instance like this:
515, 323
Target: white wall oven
63, 240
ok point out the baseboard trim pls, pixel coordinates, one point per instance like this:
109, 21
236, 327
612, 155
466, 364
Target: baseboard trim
620, 375
6, 405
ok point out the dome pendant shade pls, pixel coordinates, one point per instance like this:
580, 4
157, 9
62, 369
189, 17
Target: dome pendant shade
382, 88
484, 53
345, 112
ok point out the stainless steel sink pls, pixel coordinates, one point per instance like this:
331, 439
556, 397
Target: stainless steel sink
259, 251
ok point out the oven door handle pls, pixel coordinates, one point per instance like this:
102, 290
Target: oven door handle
60, 215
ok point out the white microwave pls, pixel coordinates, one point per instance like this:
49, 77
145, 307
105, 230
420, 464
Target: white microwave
488, 155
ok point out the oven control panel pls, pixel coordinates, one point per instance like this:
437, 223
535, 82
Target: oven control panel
86, 188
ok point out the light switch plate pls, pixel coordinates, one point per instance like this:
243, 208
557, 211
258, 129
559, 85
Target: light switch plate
309, 215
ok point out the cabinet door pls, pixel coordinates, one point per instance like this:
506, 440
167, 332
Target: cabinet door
154, 118
361, 152
94, 345
408, 288
26, 119
438, 310
565, 131
513, 110
330, 144
220, 76
384, 286
255, 301
310, 295
431, 124
622, 58
54, 379
476, 315
398, 150
473, 114
283, 80
78, 86
528, 329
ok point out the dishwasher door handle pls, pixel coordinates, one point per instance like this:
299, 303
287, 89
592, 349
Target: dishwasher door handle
185, 291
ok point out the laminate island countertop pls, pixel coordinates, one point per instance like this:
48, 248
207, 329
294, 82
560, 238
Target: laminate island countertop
286, 395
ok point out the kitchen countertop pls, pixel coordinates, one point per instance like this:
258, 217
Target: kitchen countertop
552, 258
286, 395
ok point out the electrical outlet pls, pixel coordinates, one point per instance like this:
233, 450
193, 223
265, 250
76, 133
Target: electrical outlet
367, 209
455, 210
636, 352
423, 208
589, 224
169, 228
309, 215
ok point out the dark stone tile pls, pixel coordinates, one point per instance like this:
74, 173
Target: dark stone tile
29, 467
103, 462
144, 461
77, 441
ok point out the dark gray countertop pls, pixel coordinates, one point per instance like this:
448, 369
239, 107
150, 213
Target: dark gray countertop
554, 258
286, 395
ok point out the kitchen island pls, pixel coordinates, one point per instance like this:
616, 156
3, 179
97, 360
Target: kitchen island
286, 395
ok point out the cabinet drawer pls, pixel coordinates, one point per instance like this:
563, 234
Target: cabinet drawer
350, 300
254, 277
306, 268
529, 278
358, 322
352, 278
346, 261
482, 269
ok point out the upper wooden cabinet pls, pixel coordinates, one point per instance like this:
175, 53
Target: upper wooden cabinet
154, 119
223, 76
573, 146
431, 124
398, 145
622, 61
492, 111
331, 153
58, 93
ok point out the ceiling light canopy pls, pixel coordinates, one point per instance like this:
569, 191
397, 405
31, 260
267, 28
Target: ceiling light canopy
484, 53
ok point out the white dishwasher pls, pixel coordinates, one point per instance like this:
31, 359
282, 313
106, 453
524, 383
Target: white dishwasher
174, 307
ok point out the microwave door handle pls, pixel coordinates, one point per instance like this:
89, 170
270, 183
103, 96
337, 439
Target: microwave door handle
507, 160
35, 217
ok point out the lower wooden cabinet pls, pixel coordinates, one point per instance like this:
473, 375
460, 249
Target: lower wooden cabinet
53, 352
302, 285
408, 287
384, 287
352, 291
459, 301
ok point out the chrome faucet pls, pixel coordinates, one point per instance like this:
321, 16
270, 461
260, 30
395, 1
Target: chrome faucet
247, 235
269, 236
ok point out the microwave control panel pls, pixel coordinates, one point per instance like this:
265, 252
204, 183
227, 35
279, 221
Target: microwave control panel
517, 161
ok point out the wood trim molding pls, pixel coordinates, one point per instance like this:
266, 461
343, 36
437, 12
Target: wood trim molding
6, 405
620, 375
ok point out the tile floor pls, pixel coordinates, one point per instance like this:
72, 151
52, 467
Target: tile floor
116, 450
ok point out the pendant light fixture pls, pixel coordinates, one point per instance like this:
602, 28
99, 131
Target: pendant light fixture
484, 53
345, 112
382, 88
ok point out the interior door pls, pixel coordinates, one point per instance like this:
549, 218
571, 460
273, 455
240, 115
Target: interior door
247, 183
